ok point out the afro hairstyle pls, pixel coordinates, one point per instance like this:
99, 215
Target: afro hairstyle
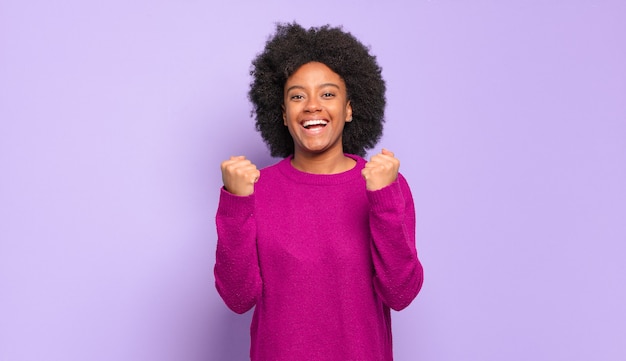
293, 46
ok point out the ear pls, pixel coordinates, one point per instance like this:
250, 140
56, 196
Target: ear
282, 106
348, 112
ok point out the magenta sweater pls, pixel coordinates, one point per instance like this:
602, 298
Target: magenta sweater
322, 259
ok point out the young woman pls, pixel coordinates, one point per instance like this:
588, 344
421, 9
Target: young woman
322, 243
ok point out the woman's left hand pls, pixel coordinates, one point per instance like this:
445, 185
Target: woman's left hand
381, 170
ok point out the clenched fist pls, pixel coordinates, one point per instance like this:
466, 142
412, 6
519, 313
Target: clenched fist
381, 170
239, 175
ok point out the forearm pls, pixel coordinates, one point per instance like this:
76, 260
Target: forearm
398, 272
237, 275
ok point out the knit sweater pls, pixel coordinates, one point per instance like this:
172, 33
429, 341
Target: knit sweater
321, 259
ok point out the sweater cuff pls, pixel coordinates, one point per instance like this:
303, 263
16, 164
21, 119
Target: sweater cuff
387, 198
231, 205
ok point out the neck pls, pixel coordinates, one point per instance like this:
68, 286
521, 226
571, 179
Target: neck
322, 163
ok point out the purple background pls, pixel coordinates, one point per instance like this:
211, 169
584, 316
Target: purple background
509, 118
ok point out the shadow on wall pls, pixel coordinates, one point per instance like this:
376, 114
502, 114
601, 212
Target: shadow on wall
232, 340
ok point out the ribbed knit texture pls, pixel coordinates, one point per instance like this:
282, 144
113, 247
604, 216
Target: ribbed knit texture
321, 259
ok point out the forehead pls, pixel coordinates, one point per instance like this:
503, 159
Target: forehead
315, 72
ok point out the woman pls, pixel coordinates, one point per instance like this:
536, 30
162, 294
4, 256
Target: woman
322, 243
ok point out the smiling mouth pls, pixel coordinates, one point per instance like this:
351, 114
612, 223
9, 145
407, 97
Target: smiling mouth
314, 123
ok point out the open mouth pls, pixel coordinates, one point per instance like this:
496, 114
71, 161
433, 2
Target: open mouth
314, 123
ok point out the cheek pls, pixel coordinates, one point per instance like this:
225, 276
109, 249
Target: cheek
289, 112
288, 118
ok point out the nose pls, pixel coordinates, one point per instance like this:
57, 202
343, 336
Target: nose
312, 105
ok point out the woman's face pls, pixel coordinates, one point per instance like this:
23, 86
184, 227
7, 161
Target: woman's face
315, 109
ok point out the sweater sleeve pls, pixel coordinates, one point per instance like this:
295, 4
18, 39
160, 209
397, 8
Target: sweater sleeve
398, 272
237, 274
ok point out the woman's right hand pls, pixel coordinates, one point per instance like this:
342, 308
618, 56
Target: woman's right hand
239, 175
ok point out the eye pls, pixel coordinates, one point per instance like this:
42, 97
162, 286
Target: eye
296, 97
328, 95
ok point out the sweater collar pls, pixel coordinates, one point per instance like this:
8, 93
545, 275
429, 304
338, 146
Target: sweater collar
299, 176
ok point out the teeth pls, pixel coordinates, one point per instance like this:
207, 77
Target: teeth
312, 122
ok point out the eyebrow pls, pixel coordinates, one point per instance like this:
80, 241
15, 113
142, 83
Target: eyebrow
321, 86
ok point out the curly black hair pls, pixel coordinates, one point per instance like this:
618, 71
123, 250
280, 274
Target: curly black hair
293, 46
